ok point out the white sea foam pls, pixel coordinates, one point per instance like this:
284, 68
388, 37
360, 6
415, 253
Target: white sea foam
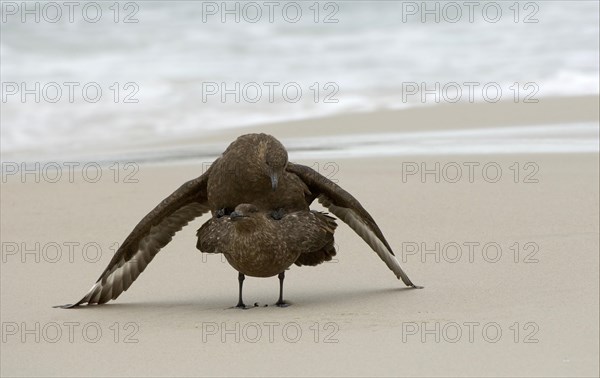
575, 138
564, 138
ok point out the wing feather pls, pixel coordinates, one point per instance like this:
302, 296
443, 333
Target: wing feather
347, 208
150, 235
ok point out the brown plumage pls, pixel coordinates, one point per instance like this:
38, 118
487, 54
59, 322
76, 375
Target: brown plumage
256, 244
253, 169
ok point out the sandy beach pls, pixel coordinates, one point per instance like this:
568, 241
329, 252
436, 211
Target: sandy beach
509, 263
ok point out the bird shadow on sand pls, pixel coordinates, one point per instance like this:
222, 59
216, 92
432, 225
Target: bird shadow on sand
345, 297
333, 298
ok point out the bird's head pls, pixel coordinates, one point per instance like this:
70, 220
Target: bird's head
243, 212
246, 218
261, 157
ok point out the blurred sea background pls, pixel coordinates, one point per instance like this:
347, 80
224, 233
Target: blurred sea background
362, 62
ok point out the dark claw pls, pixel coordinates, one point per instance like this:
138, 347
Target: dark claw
278, 214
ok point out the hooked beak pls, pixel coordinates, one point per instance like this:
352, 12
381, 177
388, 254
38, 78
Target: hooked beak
236, 216
274, 180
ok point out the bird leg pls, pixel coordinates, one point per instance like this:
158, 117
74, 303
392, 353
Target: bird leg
241, 278
280, 301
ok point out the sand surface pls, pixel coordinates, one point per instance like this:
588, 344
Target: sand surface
520, 299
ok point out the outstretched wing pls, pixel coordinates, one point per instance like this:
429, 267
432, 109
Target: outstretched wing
150, 235
347, 208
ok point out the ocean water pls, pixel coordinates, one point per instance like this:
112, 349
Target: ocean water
114, 74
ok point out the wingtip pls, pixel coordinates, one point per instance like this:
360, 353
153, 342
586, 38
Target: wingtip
408, 282
66, 306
